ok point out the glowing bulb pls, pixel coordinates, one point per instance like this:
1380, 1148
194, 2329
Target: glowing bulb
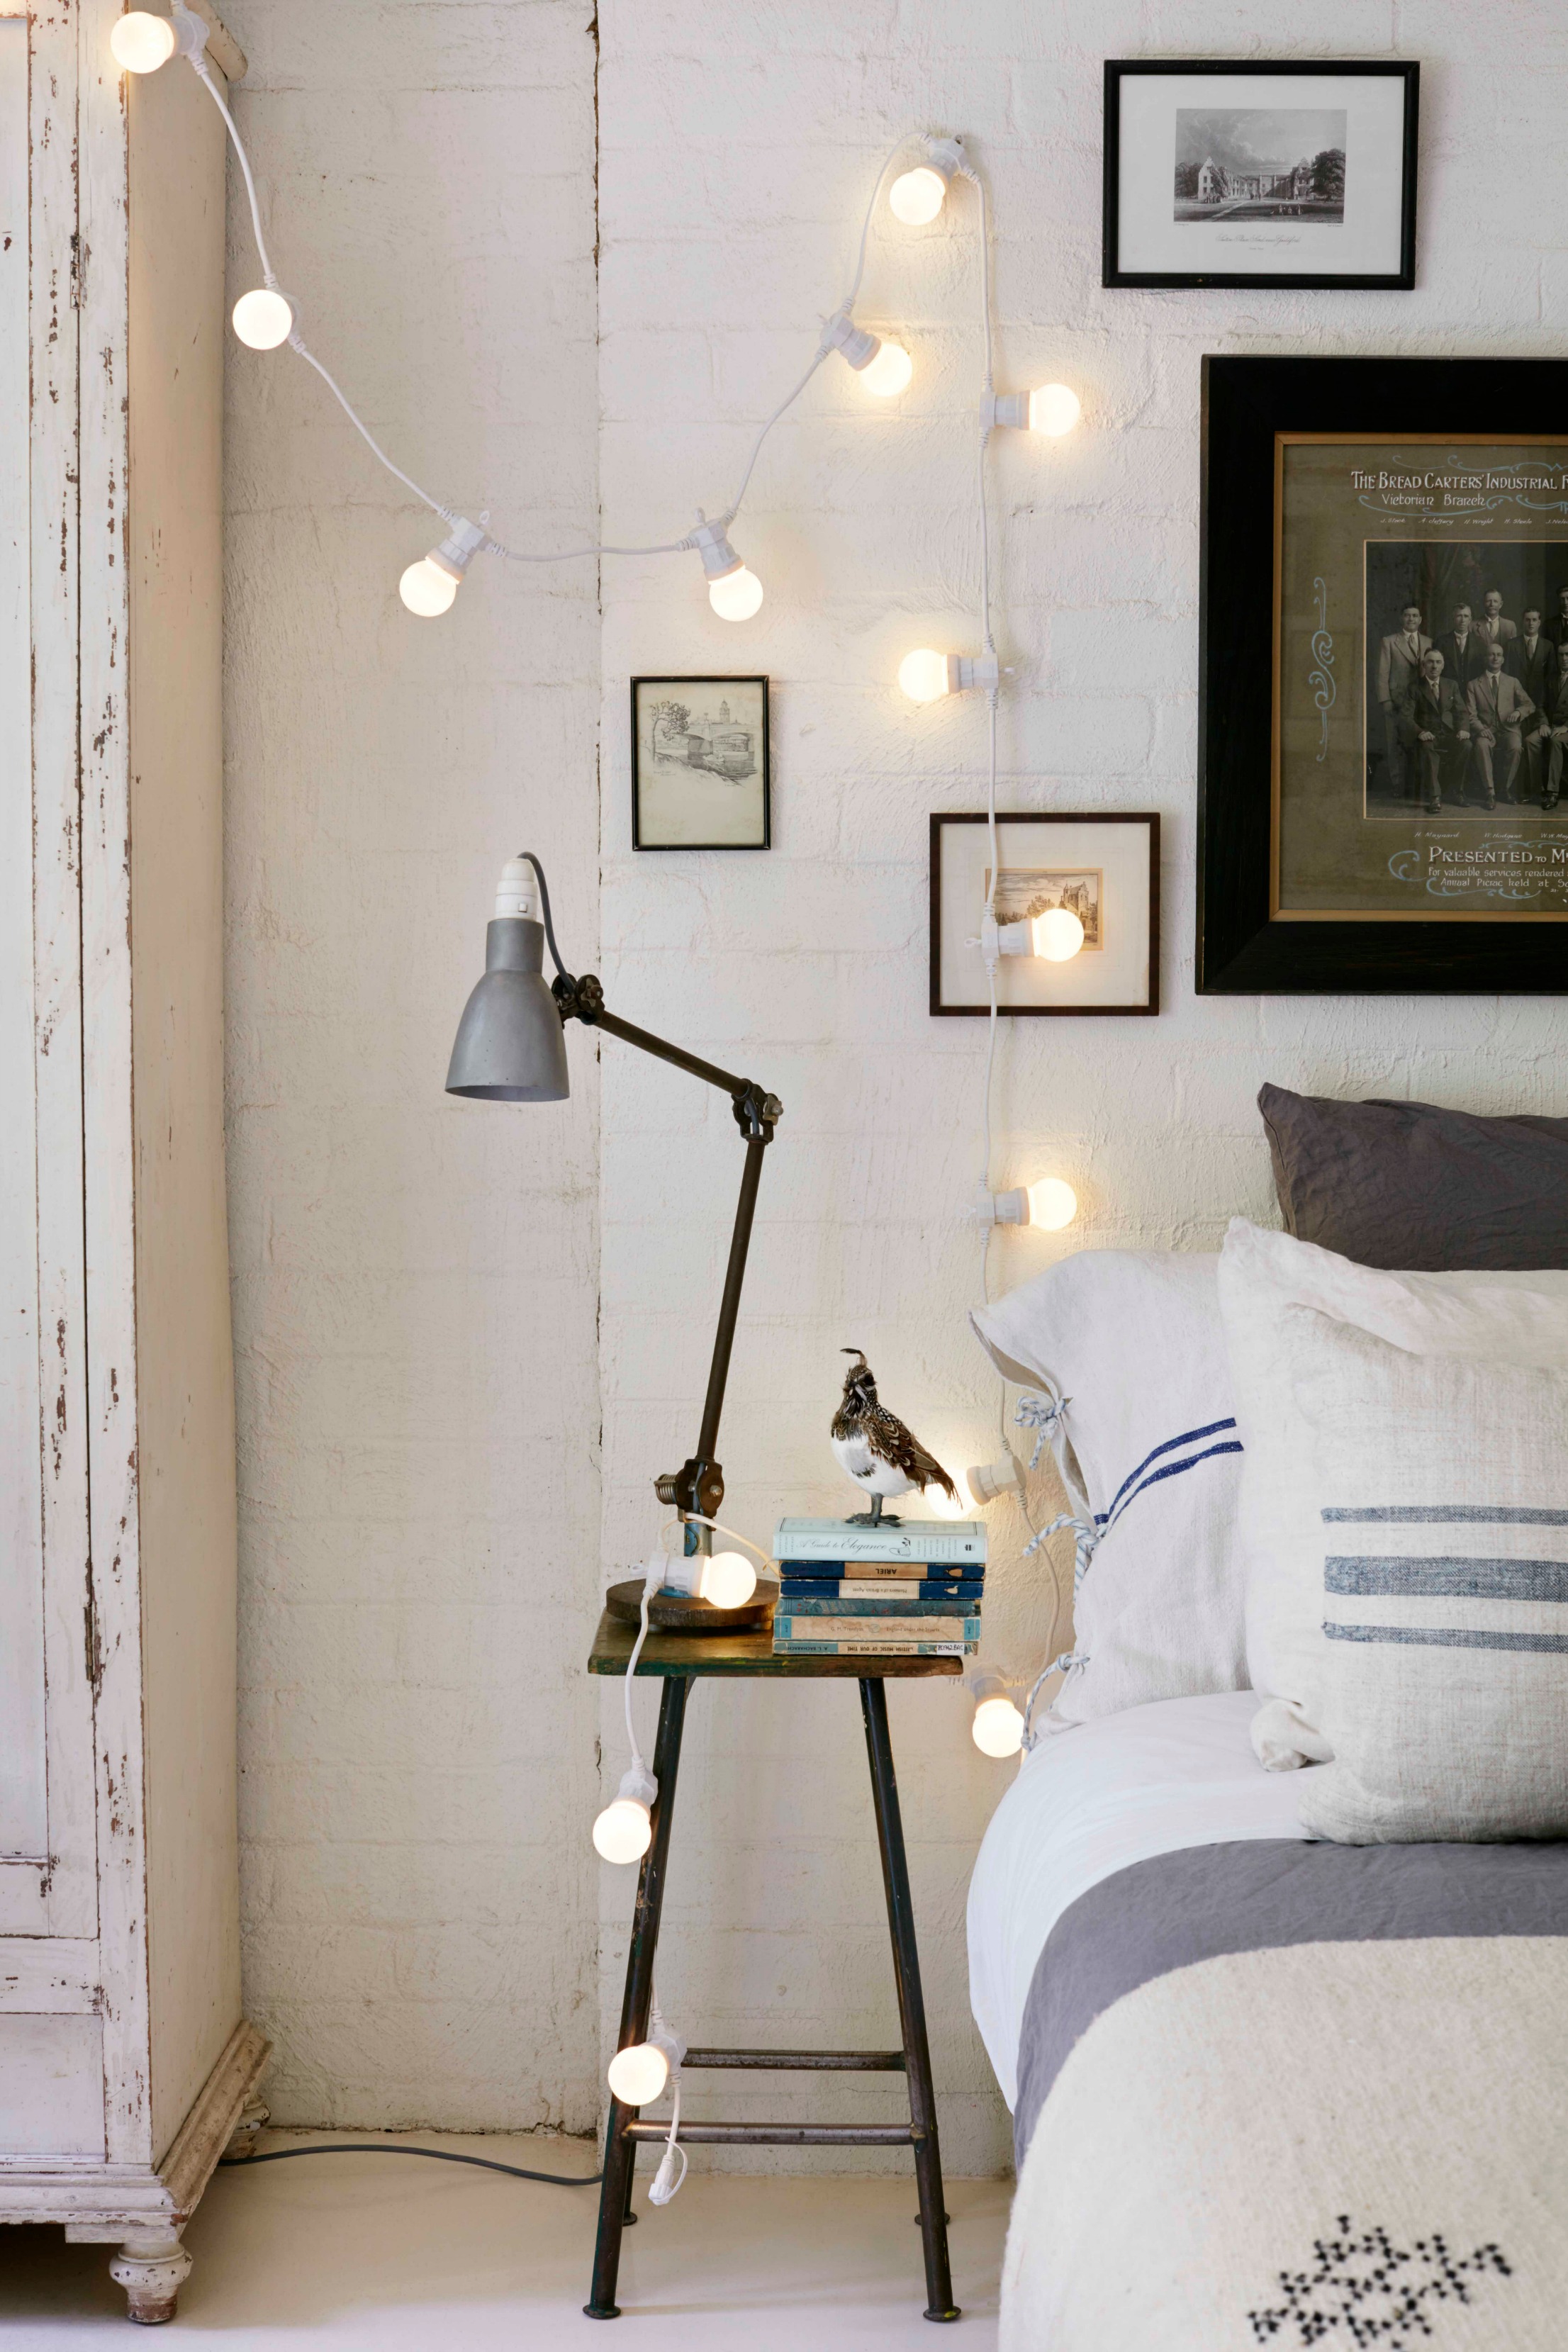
916, 197
737, 596
141, 43
1054, 408
951, 1506
727, 1580
997, 1729
263, 317
623, 1832
638, 2076
923, 675
888, 373
1052, 1204
427, 589
1059, 934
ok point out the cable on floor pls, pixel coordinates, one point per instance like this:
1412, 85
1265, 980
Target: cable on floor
388, 2148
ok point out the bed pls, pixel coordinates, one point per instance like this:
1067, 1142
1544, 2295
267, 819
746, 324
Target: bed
1266, 2089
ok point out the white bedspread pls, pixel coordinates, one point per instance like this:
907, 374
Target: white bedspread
1096, 1800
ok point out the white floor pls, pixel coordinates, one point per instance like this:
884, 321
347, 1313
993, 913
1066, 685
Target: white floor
353, 2253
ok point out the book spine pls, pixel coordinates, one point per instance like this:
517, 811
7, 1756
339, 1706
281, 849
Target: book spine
899, 1632
875, 1605
880, 1548
875, 1649
888, 1572
903, 1592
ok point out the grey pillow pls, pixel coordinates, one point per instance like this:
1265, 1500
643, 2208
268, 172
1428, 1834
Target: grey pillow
1405, 1185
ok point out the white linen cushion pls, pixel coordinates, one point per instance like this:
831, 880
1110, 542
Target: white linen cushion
1443, 1586
1513, 1317
1147, 1448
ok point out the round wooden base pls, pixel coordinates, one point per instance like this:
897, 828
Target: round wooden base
672, 1612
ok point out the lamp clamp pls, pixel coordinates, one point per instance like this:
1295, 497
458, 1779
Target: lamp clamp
697, 1488
756, 1112
582, 999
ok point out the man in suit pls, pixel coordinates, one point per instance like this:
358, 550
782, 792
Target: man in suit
1554, 730
1557, 627
1533, 659
1436, 725
1498, 708
1399, 668
1463, 650
1491, 628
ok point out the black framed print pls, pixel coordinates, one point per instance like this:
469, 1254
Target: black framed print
1230, 173
700, 763
1384, 678
1105, 870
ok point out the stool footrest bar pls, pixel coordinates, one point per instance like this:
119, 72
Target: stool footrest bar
779, 2135
850, 2061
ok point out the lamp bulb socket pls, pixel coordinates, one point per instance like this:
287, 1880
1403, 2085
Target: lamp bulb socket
517, 892
988, 1481
856, 344
139, 42
997, 1729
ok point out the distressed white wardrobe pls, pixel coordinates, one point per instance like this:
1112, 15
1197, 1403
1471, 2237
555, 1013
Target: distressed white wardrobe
124, 2060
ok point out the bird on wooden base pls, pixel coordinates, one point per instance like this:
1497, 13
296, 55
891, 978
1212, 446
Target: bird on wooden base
877, 1450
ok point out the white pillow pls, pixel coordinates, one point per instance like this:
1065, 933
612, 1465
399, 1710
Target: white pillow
1443, 1584
1148, 1451
1512, 1318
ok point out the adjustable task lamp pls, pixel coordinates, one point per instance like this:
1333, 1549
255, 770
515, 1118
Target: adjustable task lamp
511, 1048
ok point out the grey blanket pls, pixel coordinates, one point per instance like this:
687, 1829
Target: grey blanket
1260, 1895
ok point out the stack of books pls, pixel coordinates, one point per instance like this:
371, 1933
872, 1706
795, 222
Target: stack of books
850, 1592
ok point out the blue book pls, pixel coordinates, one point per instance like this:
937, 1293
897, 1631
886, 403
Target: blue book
874, 1649
894, 1574
888, 1633
901, 1591
795, 1603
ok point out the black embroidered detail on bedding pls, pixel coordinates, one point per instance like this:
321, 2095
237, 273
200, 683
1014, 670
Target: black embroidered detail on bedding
1365, 2290
1262, 1894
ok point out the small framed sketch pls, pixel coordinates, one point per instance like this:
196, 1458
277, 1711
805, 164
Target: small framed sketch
700, 763
1231, 173
1103, 869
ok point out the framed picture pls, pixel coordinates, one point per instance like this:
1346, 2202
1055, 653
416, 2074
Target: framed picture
1104, 869
1384, 678
1220, 171
700, 763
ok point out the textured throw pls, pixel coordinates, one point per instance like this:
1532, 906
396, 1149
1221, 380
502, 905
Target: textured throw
1291, 2095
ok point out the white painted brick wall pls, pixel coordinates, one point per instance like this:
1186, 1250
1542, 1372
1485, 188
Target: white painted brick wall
416, 1280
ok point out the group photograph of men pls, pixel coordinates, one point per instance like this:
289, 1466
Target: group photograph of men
1467, 687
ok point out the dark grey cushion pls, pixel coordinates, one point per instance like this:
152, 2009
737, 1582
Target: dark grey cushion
1407, 1184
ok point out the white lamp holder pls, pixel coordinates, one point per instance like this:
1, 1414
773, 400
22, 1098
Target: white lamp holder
712, 544
967, 671
517, 892
988, 1481
1006, 408
190, 32
637, 1785
856, 344
986, 1682
457, 550
1010, 1208
946, 156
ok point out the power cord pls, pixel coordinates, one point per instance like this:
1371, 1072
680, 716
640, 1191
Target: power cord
438, 2155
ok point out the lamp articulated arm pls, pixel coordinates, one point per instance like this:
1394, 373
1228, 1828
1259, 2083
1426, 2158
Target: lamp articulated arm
698, 1487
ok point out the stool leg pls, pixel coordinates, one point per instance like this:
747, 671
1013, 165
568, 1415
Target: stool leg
620, 2153
940, 2304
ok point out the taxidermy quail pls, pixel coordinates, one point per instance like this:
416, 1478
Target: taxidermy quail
878, 1453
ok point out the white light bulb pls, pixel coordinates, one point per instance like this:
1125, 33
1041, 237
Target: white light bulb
923, 675
1059, 934
1052, 1204
916, 197
427, 589
727, 1580
638, 2076
624, 1831
264, 317
997, 1729
141, 43
737, 596
951, 1506
1054, 408
888, 373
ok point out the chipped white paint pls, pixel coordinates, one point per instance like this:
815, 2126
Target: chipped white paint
416, 1280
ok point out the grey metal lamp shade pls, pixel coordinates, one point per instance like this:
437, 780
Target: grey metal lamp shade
509, 1045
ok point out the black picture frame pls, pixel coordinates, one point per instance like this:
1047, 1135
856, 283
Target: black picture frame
1246, 404
1118, 69
944, 818
706, 680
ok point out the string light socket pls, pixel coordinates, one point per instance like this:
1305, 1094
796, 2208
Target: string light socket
1050, 1203
430, 587
987, 1482
1052, 409
637, 2075
1056, 936
734, 592
723, 1578
140, 42
926, 676
918, 194
885, 368
624, 1831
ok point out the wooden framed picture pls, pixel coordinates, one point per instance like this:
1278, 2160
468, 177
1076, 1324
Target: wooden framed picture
1232, 172
1384, 678
700, 763
1103, 869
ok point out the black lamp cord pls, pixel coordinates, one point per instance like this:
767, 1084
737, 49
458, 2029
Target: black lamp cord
388, 2148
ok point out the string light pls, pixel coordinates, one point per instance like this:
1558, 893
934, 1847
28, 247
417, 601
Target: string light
723, 1578
997, 1727
926, 677
1056, 935
430, 586
884, 369
624, 1831
141, 43
917, 195
1050, 1203
1053, 409
637, 2075
264, 317
734, 592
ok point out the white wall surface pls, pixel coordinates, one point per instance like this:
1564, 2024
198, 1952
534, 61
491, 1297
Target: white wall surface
416, 1281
